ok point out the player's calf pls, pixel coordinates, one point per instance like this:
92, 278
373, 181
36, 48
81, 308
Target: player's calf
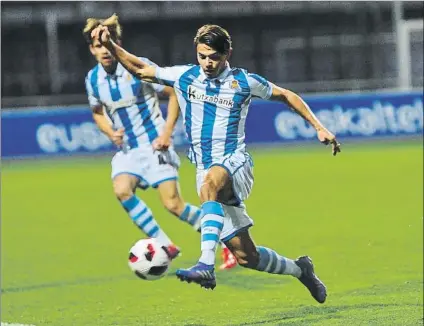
271, 262
260, 258
175, 204
191, 215
246, 259
184, 211
140, 214
302, 268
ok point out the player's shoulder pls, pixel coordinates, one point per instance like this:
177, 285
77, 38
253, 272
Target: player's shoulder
92, 72
242, 76
237, 70
187, 70
186, 67
247, 74
254, 79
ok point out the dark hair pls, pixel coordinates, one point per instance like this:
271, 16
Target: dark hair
112, 23
214, 36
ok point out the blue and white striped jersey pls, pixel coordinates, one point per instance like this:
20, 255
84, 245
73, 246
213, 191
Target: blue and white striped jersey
130, 103
214, 110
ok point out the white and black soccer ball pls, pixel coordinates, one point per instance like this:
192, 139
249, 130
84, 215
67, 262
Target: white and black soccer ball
148, 260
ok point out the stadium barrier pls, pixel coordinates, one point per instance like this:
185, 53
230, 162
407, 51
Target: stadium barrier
71, 130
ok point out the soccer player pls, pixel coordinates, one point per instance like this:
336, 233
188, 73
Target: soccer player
214, 99
133, 107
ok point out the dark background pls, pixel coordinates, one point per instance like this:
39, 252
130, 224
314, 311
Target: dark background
305, 46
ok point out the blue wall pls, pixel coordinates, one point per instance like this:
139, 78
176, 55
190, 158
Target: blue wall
33, 132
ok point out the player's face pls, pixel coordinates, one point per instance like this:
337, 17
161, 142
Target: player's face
212, 62
102, 55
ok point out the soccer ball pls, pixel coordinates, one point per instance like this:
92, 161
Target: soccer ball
148, 260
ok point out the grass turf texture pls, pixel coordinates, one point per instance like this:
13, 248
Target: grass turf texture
65, 240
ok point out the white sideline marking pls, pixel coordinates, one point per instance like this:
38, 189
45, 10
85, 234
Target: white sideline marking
15, 324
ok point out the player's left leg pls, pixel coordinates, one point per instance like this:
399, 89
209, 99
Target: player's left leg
267, 260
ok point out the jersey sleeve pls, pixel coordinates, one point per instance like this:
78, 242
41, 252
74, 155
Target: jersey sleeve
157, 87
169, 75
259, 86
93, 101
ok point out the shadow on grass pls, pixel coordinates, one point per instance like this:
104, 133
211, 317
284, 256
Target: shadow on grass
234, 278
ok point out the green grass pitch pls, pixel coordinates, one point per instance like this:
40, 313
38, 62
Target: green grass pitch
65, 238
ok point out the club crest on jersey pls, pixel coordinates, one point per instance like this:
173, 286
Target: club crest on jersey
235, 84
200, 95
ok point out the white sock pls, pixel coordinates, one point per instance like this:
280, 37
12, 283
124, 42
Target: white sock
212, 224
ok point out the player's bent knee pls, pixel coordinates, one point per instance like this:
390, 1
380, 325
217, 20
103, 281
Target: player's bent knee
209, 190
122, 192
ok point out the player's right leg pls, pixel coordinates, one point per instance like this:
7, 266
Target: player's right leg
123, 187
228, 180
203, 272
267, 260
126, 176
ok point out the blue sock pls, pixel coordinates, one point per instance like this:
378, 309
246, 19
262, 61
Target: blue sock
271, 262
142, 216
212, 224
191, 215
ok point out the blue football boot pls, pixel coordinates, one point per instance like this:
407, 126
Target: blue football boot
200, 274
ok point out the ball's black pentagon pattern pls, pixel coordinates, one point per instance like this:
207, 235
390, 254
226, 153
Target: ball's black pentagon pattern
158, 270
140, 275
149, 255
132, 256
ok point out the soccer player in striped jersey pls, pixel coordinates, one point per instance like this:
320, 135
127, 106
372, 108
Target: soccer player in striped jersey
133, 108
214, 100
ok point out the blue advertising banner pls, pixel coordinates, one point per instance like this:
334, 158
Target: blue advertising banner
33, 132
345, 115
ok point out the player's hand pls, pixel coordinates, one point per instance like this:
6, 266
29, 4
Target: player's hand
162, 143
117, 137
326, 138
101, 33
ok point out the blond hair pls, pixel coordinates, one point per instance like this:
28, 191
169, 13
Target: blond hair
112, 23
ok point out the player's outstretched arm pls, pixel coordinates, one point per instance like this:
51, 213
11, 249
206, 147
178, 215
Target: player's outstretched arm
164, 140
139, 68
296, 103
